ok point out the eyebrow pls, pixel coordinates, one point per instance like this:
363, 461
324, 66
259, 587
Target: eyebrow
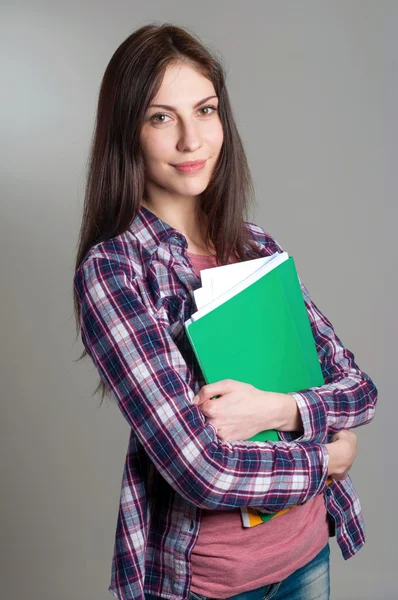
167, 107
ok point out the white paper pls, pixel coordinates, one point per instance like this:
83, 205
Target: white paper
223, 282
218, 280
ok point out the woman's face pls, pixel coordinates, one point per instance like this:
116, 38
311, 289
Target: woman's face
189, 131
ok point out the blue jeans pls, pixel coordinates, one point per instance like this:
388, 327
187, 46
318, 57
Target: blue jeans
311, 582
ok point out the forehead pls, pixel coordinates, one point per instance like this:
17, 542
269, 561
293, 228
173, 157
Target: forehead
183, 84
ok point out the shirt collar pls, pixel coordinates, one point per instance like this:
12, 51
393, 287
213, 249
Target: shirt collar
152, 231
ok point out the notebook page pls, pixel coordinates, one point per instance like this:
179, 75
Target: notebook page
225, 280
217, 280
276, 259
233, 273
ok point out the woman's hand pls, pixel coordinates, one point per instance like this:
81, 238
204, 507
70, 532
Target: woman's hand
342, 452
241, 411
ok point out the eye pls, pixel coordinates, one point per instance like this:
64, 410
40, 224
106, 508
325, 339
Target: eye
154, 117
214, 108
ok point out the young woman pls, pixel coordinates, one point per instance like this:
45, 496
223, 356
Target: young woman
151, 221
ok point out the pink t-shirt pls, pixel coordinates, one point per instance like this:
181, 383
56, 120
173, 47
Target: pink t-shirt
228, 558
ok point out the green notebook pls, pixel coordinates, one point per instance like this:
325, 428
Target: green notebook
262, 336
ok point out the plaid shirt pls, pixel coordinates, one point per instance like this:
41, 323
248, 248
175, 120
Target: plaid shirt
136, 291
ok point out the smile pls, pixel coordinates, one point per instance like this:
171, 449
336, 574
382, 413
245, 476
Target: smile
193, 168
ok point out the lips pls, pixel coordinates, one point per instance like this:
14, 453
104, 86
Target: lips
193, 167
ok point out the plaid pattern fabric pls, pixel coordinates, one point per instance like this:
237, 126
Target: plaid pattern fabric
136, 291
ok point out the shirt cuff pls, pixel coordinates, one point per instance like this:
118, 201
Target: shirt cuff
313, 413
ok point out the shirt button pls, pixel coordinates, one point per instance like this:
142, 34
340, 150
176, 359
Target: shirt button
176, 238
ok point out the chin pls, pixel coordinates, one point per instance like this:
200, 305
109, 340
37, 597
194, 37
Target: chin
194, 185
191, 190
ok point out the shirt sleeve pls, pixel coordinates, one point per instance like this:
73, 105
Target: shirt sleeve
346, 400
138, 360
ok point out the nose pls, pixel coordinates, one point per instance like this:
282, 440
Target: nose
189, 139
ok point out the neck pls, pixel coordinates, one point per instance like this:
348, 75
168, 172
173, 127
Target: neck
184, 216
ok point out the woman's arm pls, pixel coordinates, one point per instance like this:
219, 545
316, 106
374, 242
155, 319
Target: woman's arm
348, 398
152, 384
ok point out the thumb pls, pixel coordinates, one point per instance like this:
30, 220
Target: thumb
213, 389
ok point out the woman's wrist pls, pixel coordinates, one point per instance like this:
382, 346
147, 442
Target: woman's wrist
288, 414
336, 464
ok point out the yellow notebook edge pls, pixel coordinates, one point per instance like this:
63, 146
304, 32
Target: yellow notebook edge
251, 516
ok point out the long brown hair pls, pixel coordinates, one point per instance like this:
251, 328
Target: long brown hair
116, 178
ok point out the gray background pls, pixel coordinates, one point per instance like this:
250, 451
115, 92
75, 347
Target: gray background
314, 92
